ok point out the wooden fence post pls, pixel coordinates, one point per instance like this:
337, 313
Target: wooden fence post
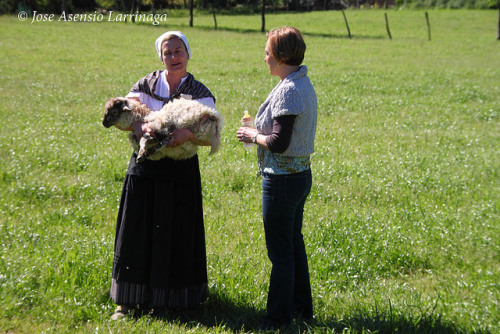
215, 19
347, 24
387, 26
428, 25
263, 16
498, 31
191, 5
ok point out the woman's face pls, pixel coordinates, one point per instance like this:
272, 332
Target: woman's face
174, 56
270, 60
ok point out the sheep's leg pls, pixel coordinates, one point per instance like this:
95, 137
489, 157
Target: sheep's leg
143, 147
164, 142
154, 148
147, 145
145, 150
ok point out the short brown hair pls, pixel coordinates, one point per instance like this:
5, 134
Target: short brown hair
287, 45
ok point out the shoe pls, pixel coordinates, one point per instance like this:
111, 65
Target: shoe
302, 315
161, 312
271, 325
120, 312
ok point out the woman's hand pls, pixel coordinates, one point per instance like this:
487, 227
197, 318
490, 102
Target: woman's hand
179, 136
245, 134
140, 129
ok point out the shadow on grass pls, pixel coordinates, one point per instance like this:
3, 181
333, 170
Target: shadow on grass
219, 312
257, 31
381, 325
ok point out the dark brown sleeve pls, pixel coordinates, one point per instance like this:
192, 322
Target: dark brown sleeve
280, 138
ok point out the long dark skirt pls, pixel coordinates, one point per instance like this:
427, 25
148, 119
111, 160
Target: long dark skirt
160, 257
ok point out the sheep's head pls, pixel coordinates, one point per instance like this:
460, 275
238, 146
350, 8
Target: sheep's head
114, 110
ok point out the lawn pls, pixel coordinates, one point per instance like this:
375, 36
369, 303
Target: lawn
402, 226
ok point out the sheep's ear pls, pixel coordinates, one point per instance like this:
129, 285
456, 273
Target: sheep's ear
126, 108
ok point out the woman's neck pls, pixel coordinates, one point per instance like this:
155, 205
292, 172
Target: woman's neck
174, 80
286, 70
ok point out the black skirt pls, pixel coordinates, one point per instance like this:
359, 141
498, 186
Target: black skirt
160, 256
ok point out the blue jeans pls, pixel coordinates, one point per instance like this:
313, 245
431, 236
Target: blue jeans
283, 199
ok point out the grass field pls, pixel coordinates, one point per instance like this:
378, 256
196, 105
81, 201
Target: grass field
402, 227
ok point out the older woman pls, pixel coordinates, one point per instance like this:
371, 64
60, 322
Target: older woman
285, 131
160, 258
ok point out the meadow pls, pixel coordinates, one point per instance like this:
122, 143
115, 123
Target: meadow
402, 226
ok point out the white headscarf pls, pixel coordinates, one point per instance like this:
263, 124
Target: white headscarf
161, 39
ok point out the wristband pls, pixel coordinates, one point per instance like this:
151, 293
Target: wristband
254, 138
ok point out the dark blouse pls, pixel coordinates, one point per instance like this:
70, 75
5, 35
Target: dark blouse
155, 169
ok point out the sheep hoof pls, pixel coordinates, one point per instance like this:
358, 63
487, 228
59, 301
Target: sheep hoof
140, 157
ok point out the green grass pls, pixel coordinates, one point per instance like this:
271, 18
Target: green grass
402, 225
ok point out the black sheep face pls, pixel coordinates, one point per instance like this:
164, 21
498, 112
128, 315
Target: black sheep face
114, 110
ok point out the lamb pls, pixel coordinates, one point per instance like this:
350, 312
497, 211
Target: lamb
206, 124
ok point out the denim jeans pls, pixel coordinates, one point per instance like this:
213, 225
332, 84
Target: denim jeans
283, 199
